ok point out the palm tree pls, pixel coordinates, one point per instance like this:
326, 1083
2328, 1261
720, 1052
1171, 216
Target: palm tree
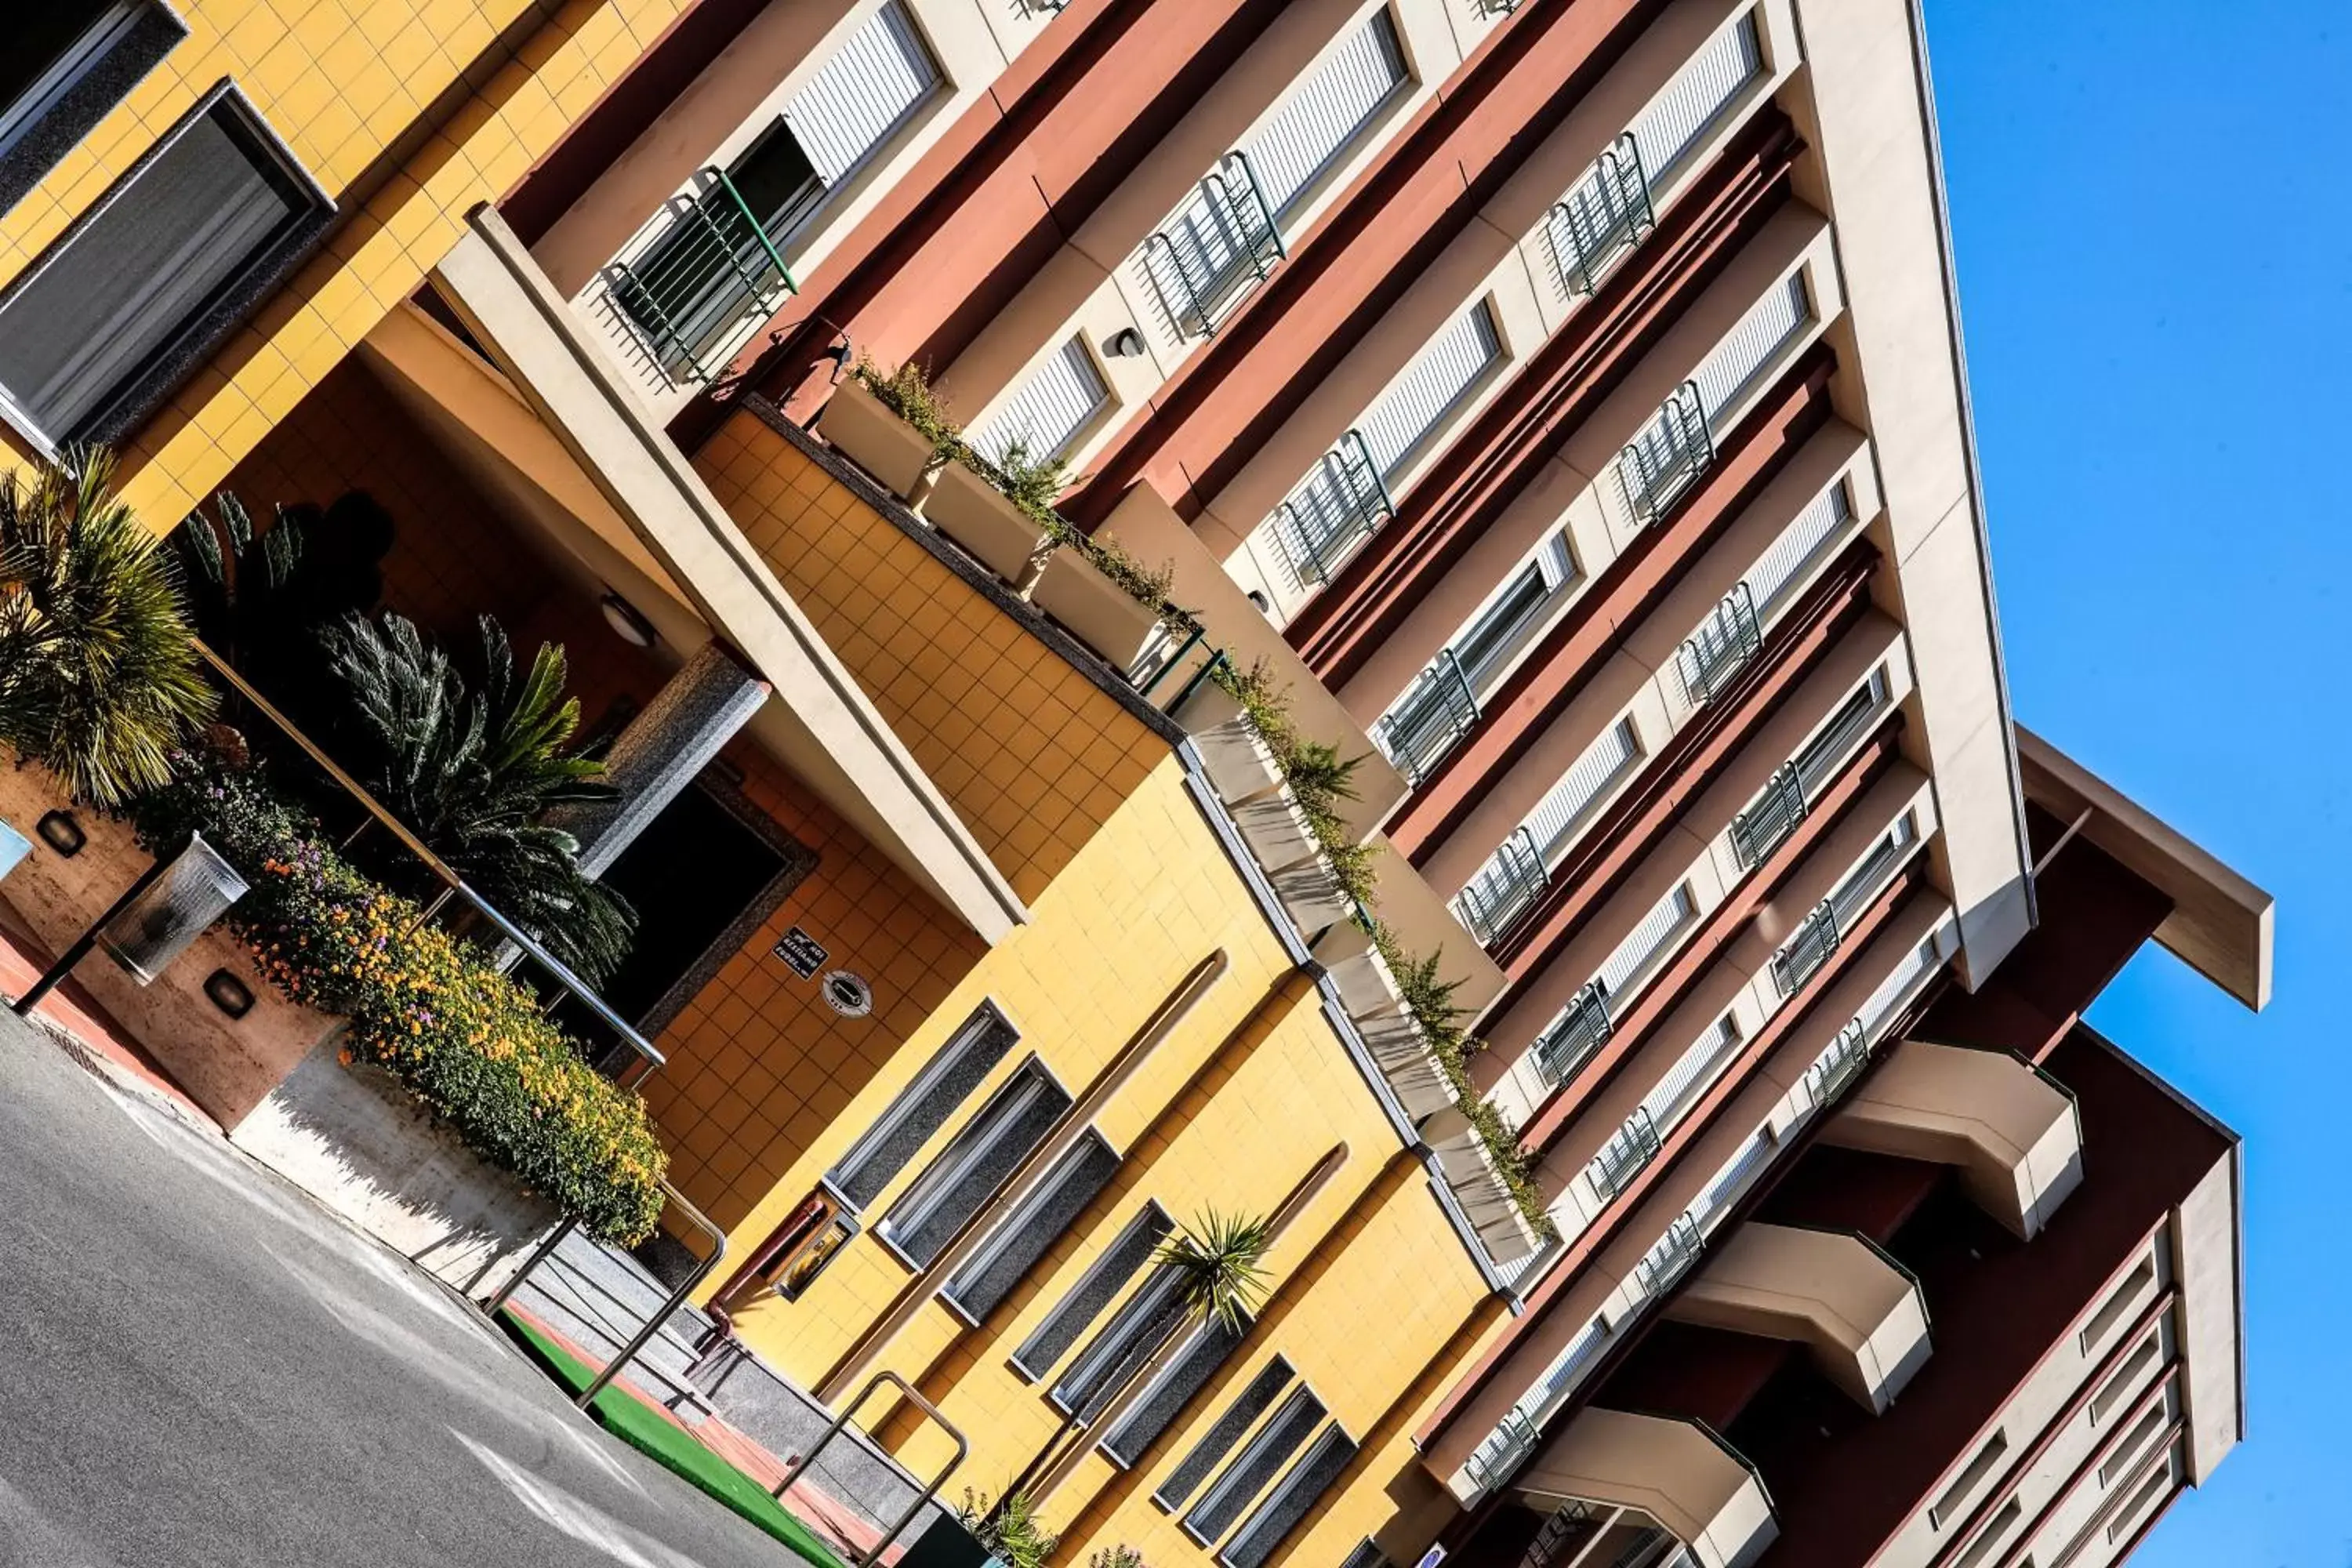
1218, 1264
99, 680
472, 769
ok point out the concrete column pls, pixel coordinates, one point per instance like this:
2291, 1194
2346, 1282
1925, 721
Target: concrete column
670, 740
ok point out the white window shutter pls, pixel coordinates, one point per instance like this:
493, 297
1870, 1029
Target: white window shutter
881, 74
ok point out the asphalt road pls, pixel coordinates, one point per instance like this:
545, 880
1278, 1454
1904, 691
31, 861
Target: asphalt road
197, 1367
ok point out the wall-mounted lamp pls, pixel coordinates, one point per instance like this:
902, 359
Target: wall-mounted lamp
1125, 343
227, 993
629, 622
61, 833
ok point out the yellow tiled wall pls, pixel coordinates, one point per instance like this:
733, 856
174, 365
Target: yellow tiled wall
1034, 756
408, 112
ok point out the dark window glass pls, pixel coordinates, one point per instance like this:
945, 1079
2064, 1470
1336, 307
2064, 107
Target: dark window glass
922, 1108
1299, 1492
1205, 1350
1076, 1312
954, 1187
1247, 1477
1220, 1438
983, 1282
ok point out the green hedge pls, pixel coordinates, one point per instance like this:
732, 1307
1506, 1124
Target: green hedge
468, 1041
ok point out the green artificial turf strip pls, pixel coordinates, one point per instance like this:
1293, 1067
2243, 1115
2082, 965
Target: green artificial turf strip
629, 1419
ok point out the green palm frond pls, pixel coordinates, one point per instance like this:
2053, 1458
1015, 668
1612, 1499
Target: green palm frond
97, 678
1219, 1262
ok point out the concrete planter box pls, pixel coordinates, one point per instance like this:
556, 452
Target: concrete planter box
976, 515
1209, 707
1275, 828
354, 1139
1096, 610
861, 427
1237, 760
1404, 1058
1311, 895
1366, 985
1469, 1169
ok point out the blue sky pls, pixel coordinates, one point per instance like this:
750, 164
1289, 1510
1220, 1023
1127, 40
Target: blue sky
2154, 250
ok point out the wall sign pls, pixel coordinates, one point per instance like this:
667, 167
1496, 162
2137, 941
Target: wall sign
803, 951
848, 994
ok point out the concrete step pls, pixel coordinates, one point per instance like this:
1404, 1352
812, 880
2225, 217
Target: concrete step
600, 1300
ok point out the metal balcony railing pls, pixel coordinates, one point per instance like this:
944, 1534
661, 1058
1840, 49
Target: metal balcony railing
1342, 503
1624, 1156
1663, 461
1652, 1546
1603, 219
1801, 956
1825, 751
1503, 888
1837, 1067
1766, 826
1223, 244
1570, 1042
1721, 648
1565, 1534
714, 265
1436, 713
1506, 1449
1667, 1262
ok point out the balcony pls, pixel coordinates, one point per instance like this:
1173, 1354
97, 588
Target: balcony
1721, 648
1662, 1267
1801, 956
1343, 503
1833, 1072
1435, 715
1624, 1156
1858, 1311
698, 277
1220, 246
1603, 219
1579, 1032
1659, 465
2011, 1130
1677, 1476
1766, 825
1596, 1535
1503, 890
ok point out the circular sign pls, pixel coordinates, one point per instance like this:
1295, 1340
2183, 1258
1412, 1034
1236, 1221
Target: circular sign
848, 994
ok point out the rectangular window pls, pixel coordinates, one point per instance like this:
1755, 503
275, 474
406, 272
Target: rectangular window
1707, 86
1207, 1348
1820, 757
1980, 1469
1247, 1477
68, 62
922, 1108
1367, 1554
1021, 1237
2118, 1306
1123, 1348
1788, 556
1448, 368
1693, 1074
1076, 1312
1747, 351
2157, 1479
165, 262
1496, 631
1288, 1502
1557, 818
1049, 412
2133, 1444
1642, 945
1987, 1544
1868, 878
1312, 127
955, 1185
1218, 1441
859, 99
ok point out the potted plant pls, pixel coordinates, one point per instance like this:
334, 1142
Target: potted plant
1276, 828
1312, 894
1407, 1061
1467, 1155
893, 427
1083, 589
1352, 959
1002, 514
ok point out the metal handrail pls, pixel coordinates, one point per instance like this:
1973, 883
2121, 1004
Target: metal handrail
1436, 714
1627, 1153
1662, 1267
1852, 1049
1249, 230
1766, 825
1662, 462
1721, 648
1503, 888
1582, 1029
907, 1392
674, 278
1801, 956
676, 1299
1618, 191
1317, 548
452, 885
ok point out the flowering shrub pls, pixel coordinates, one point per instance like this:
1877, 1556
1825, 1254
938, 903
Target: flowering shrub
468, 1041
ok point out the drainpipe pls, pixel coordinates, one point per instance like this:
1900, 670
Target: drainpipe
1025, 1178
1107, 1419
675, 736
